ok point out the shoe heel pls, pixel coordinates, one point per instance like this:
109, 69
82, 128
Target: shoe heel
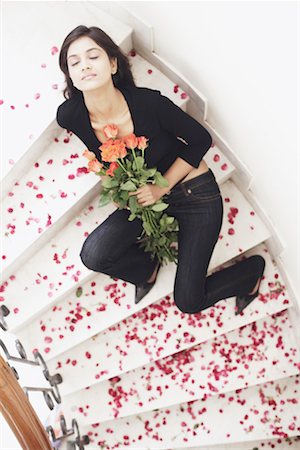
242, 301
142, 290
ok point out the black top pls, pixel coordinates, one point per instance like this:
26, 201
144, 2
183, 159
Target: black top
154, 116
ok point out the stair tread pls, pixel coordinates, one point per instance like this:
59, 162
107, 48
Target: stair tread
250, 355
271, 410
292, 443
60, 262
153, 333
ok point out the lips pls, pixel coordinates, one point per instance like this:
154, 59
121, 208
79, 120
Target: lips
88, 75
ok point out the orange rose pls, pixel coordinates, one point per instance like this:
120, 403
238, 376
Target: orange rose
113, 166
94, 166
142, 142
111, 150
131, 141
89, 155
110, 131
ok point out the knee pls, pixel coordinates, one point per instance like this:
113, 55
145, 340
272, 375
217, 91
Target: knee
86, 259
261, 262
92, 258
189, 304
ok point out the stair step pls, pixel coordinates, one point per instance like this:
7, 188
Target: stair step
147, 75
155, 332
292, 443
252, 354
266, 411
55, 187
40, 69
29, 294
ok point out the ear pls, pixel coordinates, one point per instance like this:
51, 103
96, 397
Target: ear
114, 65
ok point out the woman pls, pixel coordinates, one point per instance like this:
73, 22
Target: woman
100, 90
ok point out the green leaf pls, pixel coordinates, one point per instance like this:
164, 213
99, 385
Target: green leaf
160, 180
170, 220
138, 163
159, 207
124, 195
162, 240
128, 186
114, 182
128, 162
78, 291
133, 204
131, 217
105, 198
152, 172
106, 183
147, 228
147, 173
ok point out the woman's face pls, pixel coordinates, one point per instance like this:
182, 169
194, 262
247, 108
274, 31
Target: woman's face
85, 57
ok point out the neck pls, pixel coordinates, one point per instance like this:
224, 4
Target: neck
102, 102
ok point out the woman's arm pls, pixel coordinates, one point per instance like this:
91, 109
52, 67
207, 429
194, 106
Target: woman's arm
150, 193
196, 138
176, 172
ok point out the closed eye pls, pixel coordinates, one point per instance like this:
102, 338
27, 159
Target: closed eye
94, 57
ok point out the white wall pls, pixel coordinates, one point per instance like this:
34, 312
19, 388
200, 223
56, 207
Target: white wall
242, 57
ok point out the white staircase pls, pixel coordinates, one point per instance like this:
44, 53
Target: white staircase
144, 376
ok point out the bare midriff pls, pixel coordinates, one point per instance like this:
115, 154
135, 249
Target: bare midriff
202, 168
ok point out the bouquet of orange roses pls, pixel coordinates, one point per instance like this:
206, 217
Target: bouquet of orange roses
126, 171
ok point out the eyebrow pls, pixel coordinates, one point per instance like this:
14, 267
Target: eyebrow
94, 48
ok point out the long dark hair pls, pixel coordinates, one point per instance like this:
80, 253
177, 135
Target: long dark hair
123, 76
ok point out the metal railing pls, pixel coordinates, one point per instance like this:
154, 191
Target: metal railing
17, 409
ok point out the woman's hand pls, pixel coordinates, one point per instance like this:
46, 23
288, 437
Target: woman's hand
149, 194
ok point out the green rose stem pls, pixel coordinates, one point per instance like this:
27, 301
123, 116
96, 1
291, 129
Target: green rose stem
134, 157
119, 162
149, 218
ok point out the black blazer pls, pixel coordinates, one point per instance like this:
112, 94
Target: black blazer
154, 116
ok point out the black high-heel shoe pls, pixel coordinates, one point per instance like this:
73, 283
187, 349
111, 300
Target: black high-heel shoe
242, 301
142, 289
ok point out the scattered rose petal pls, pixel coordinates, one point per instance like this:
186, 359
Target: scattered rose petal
54, 50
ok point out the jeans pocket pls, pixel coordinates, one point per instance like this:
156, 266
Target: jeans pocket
203, 192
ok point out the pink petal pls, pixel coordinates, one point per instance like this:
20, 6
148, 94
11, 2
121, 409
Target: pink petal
54, 50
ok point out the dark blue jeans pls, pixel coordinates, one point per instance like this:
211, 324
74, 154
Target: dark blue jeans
112, 248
